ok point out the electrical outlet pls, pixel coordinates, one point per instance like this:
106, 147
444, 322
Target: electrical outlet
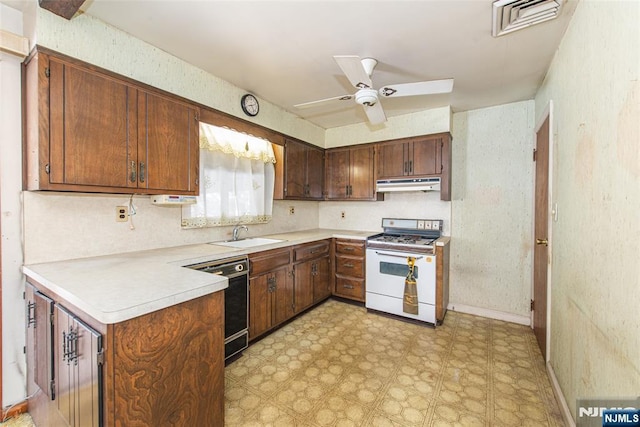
292, 210
121, 214
342, 215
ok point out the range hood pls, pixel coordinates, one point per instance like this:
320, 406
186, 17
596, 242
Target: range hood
407, 184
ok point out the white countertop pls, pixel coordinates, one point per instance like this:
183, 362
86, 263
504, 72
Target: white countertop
115, 288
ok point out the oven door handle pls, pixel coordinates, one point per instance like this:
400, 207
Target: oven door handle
397, 256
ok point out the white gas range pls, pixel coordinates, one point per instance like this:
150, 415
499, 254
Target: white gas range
387, 266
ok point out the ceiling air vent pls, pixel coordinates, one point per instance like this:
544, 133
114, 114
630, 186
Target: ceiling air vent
513, 15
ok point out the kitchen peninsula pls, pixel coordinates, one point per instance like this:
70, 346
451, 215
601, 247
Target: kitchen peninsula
135, 338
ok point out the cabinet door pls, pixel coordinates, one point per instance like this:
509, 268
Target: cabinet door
167, 145
392, 161
92, 139
337, 176
322, 279
79, 374
63, 372
315, 173
361, 174
39, 338
259, 305
303, 295
295, 169
87, 376
282, 295
425, 157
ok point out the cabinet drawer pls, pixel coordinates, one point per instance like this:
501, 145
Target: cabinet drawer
265, 261
350, 288
311, 250
349, 266
350, 247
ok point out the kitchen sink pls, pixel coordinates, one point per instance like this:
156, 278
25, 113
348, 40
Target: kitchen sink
247, 243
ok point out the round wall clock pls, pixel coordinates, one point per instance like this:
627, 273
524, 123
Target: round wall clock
250, 105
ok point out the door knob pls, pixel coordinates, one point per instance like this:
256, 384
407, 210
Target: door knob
542, 242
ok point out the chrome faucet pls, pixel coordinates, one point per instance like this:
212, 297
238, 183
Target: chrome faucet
236, 231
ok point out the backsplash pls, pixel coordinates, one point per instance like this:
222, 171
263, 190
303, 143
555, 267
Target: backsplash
59, 226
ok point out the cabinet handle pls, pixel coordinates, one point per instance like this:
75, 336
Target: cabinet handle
31, 314
348, 249
142, 171
347, 286
410, 166
405, 167
349, 265
70, 346
133, 172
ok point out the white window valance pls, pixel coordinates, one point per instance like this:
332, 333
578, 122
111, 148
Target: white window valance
237, 177
229, 141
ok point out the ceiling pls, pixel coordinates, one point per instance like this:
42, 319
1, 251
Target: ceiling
282, 51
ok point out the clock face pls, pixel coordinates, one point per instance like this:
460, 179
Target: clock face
250, 105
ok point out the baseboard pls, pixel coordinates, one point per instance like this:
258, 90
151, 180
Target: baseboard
564, 408
14, 410
491, 314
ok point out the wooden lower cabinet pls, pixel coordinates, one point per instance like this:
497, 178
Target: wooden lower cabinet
161, 368
270, 290
312, 267
350, 269
284, 282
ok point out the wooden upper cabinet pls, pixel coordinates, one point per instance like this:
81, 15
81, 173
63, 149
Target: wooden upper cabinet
410, 157
92, 127
415, 157
350, 173
167, 145
304, 170
89, 130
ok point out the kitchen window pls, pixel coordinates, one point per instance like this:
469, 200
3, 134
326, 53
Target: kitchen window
237, 177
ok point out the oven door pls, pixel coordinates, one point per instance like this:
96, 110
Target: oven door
386, 274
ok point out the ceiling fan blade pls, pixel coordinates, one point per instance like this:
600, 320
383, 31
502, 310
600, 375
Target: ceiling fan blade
375, 113
418, 88
324, 101
354, 70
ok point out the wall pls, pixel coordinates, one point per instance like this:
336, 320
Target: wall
13, 362
421, 123
368, 215
492, 204
594, 84
93, 41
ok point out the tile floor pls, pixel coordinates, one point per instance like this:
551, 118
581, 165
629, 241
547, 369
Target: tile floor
338, 365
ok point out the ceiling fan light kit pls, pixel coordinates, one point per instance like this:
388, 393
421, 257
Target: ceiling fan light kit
358, 72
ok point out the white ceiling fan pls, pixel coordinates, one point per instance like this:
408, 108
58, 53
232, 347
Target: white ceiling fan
358, 71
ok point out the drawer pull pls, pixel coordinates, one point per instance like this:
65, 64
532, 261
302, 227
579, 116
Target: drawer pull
348, 249
349, 265
347, 286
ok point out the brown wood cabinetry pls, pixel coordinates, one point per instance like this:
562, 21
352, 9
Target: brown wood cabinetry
78, 375
442, 279
312, 273
90, 130
270, 290
304, 170
350, 269
414, 157
350, 173
284, 282
161, 368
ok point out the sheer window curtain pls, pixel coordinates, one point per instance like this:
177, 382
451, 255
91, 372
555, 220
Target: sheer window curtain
237, 176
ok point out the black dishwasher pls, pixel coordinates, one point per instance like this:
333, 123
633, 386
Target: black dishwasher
236, 301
